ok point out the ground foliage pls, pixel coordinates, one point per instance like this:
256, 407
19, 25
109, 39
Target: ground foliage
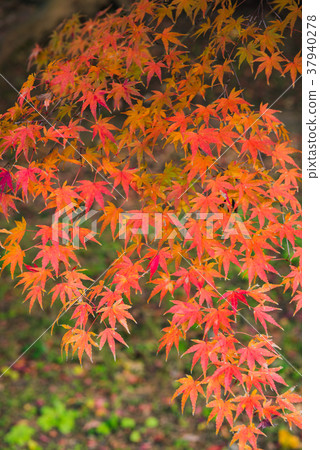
108, 99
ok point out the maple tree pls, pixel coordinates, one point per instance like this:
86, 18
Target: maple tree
109, 101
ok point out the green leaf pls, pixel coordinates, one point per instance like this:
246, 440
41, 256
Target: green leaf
19, 434
128, 422
151, 422
135, 436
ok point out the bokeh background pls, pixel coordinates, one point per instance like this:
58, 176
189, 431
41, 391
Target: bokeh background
48, 402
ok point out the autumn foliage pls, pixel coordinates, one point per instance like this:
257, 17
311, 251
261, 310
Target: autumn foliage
130, 109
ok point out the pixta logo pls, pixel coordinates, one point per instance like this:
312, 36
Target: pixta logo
74, 225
